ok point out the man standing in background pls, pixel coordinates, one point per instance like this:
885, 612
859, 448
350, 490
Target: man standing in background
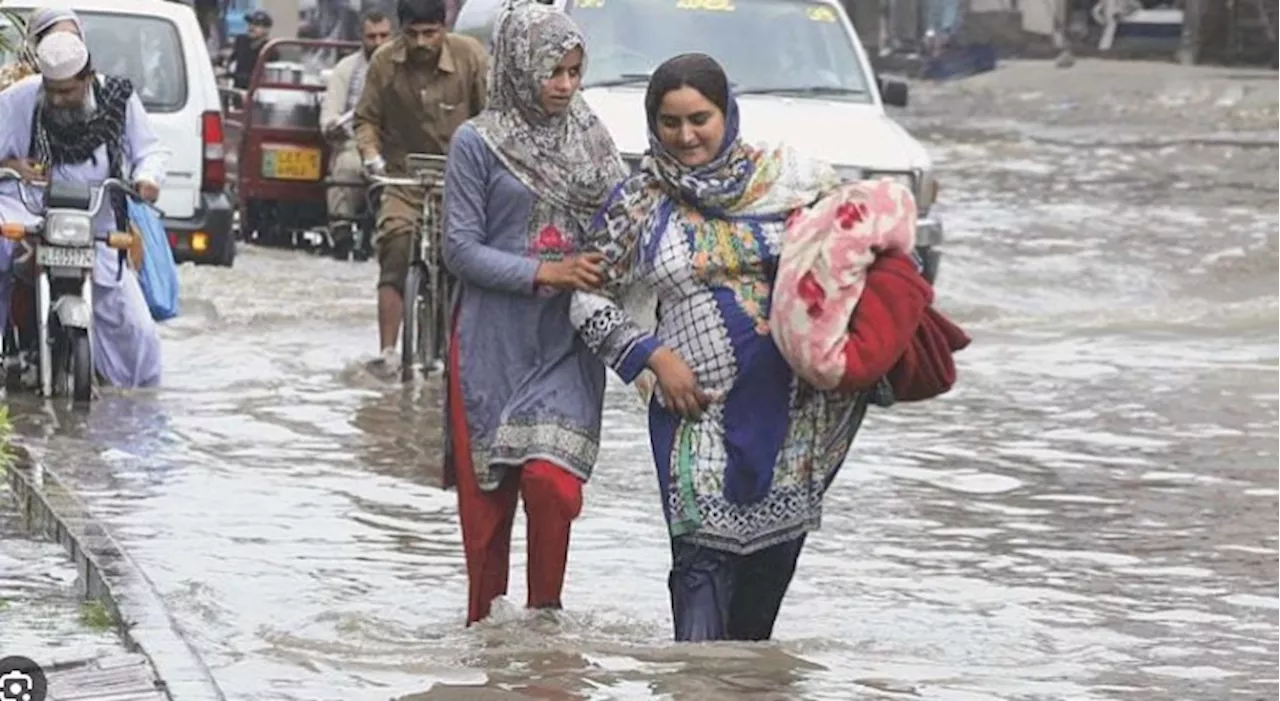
336, 115
418, 90
248, 48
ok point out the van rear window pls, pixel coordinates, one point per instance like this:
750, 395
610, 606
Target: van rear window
144, 49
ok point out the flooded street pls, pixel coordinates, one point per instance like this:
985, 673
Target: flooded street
1090, 515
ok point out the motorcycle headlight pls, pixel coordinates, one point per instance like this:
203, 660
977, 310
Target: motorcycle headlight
64, 229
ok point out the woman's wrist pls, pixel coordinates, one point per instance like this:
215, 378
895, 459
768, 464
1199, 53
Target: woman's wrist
659, 357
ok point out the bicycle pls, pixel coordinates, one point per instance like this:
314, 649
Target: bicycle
428, 288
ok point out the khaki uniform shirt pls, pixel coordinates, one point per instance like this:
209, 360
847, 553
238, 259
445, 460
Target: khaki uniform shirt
407, 108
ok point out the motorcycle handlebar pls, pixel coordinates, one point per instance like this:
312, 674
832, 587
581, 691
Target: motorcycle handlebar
96, 203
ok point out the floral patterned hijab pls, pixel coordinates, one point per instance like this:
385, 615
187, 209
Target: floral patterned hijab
568, 159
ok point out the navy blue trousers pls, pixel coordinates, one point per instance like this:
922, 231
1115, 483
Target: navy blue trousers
717, 595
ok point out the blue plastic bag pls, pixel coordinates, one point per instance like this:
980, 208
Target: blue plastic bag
159, 274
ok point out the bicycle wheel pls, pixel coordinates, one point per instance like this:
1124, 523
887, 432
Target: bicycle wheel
429, 321
410, 331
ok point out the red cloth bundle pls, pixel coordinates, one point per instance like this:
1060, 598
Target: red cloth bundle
895, 332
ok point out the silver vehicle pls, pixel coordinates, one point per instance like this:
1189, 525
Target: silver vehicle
65, 252
800, 74
428, 288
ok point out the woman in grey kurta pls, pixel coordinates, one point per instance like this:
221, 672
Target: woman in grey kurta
523, 180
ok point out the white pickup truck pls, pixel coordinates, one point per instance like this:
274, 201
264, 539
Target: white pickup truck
799, 71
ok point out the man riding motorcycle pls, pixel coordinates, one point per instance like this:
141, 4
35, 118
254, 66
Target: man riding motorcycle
340, 98
78, 126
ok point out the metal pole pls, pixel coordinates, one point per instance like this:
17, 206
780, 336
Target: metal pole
1192, 27
1061, 15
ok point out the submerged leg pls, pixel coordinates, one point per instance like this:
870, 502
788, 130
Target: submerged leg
702, 584
486, 517
126, 342
763, 578
552, 500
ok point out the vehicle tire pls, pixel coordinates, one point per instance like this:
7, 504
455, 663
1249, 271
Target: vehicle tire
12, 349
228, 255
81, 358
60, 359
410, 333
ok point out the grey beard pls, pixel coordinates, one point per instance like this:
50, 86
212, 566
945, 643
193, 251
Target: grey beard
67, 116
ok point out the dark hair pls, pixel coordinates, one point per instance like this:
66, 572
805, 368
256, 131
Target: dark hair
697, 71
373, 17
421, 12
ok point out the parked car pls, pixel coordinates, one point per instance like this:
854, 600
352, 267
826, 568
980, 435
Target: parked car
799, 70
159, 47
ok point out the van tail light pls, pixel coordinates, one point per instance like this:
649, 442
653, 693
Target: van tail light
214, 170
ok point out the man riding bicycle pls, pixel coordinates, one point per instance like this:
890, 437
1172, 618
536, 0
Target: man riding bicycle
418, 89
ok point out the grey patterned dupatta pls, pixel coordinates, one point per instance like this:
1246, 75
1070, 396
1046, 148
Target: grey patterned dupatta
568, 160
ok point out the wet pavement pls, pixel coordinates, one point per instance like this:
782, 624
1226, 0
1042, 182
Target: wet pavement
41, 614
1090, 515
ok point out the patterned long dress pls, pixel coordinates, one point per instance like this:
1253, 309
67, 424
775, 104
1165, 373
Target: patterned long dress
751, 474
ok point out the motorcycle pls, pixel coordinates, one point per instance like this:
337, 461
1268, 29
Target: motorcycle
65, 253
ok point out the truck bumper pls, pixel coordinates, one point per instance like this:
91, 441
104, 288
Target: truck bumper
928, 240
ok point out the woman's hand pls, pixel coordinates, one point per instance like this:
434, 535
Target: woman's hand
680, 388
578, 272
28, 169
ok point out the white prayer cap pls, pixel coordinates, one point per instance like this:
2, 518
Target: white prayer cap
45, 17
61, 55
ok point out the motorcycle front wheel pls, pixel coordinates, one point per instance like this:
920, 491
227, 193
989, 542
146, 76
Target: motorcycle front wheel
81, 366
72, 365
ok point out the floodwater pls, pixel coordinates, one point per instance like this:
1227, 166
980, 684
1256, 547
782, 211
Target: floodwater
1090, 515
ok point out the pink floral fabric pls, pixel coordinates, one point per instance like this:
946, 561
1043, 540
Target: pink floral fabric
826, 252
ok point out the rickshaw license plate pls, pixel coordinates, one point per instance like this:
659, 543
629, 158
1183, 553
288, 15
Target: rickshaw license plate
291, 164
51, 257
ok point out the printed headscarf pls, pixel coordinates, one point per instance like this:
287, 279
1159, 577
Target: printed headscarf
568, 159
743, 184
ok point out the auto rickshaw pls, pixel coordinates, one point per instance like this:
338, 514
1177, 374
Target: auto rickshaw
277, 157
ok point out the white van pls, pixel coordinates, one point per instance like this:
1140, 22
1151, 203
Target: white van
800, 73
159, 47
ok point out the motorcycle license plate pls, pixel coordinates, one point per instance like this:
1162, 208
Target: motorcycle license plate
53, 257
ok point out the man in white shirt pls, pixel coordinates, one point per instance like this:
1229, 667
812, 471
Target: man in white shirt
73, 124
345, 84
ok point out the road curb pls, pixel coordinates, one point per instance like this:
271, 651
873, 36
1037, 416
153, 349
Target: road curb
110, 577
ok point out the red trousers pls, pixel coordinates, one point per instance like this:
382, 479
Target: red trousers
552, 499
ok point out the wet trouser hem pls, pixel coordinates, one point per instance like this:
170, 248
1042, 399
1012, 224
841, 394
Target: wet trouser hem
717, 595
552, 499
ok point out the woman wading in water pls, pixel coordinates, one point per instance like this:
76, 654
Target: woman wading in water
744, 450
525, 394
